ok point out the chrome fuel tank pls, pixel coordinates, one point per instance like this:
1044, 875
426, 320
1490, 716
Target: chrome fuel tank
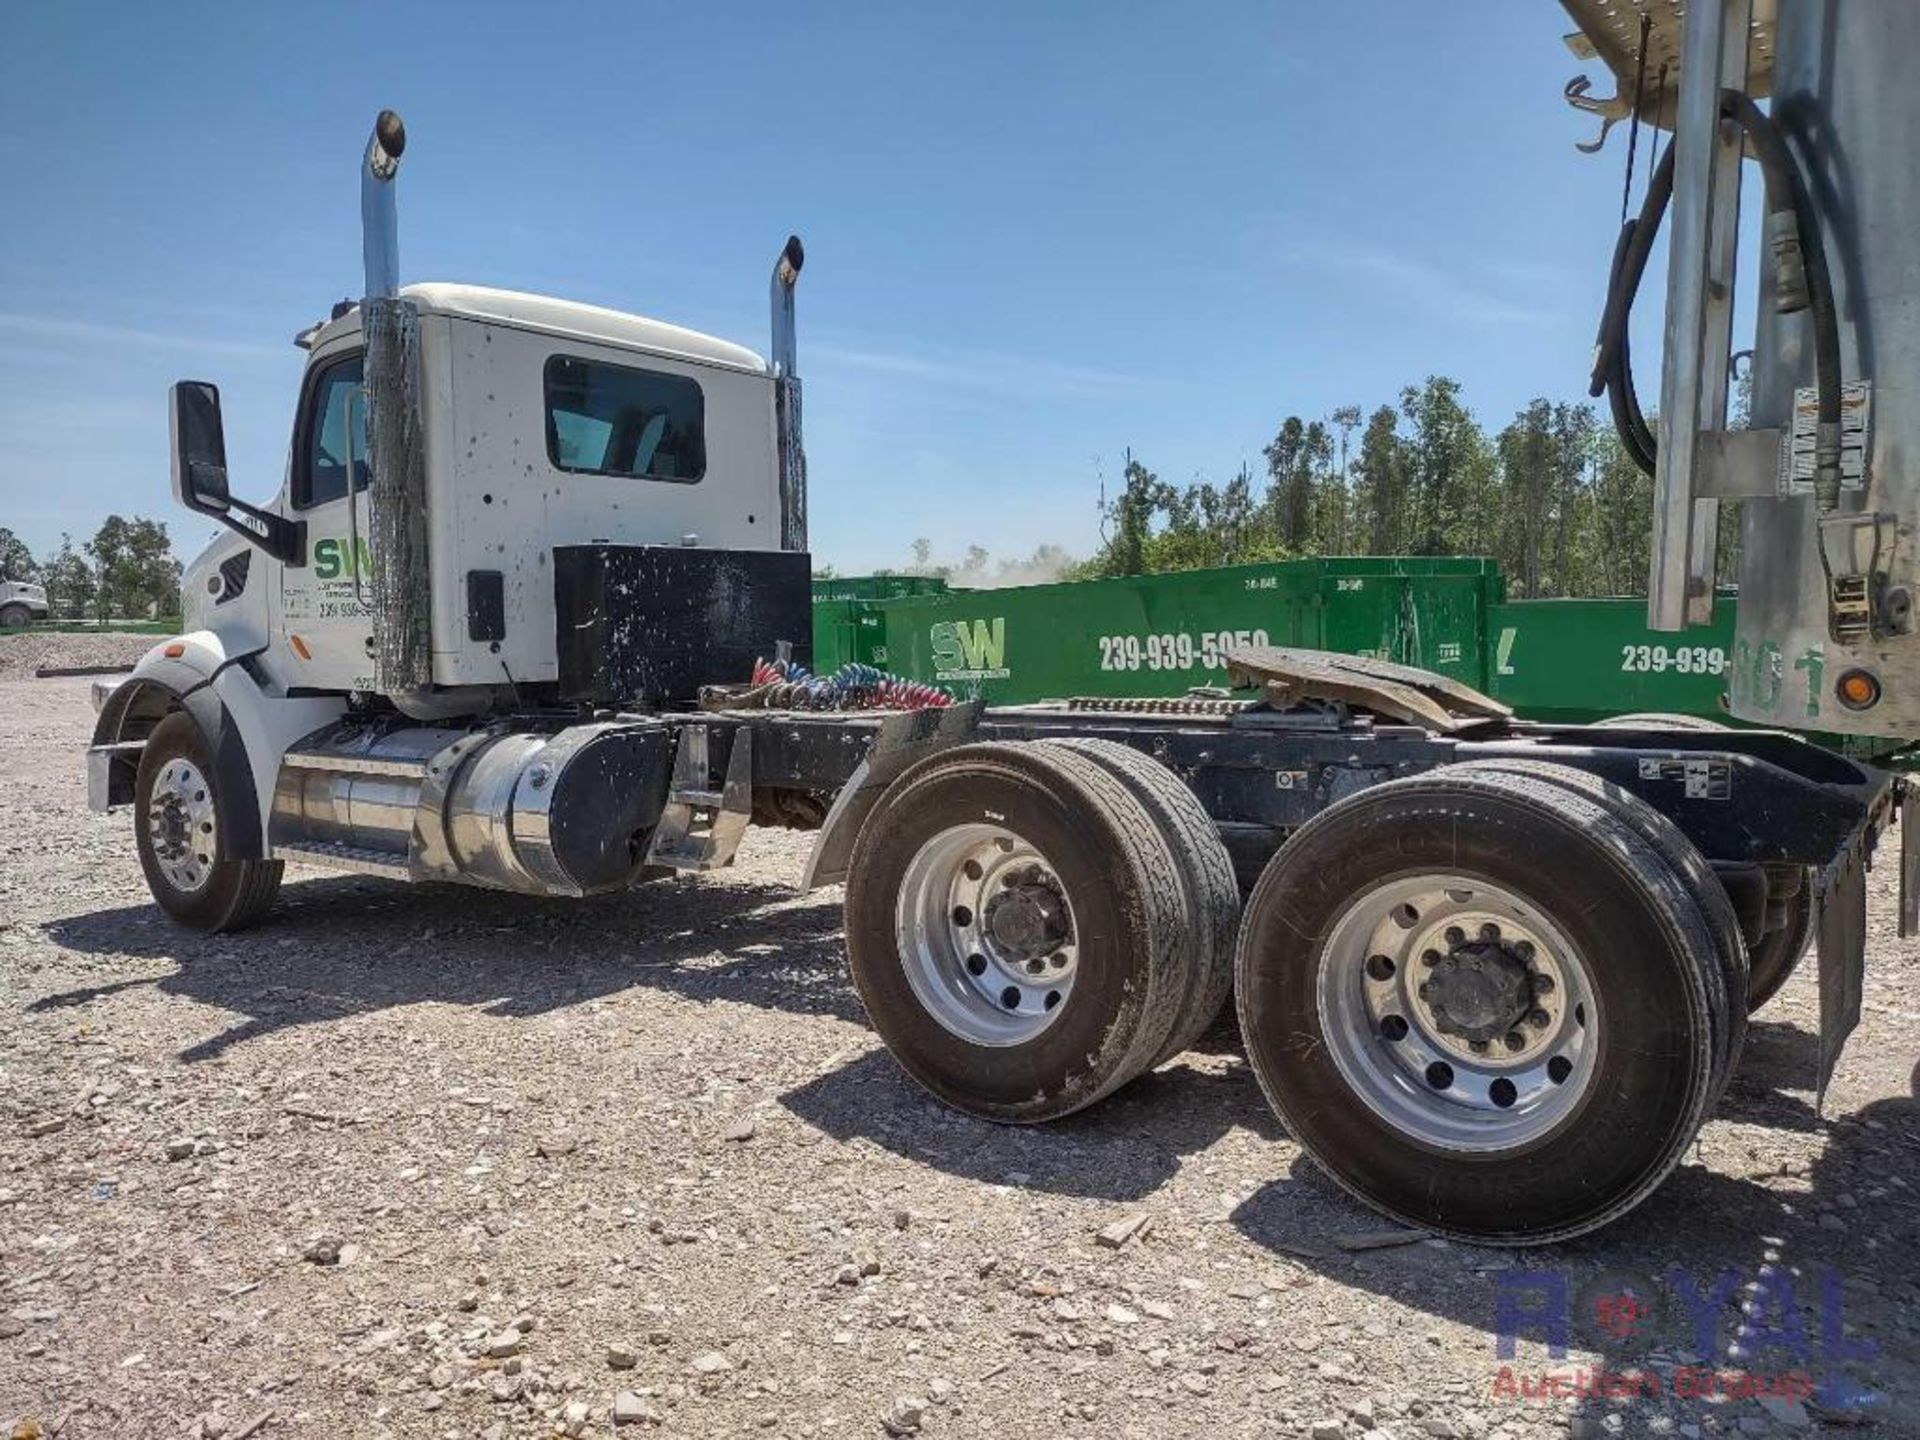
549, 812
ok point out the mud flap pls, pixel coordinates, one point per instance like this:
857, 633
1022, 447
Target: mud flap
1842, 938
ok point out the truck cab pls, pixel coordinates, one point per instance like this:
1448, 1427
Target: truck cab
545, 424
514, 534
21, 602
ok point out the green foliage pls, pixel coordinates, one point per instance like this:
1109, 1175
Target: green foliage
1552, 497
69, 581
16, 561
135, 572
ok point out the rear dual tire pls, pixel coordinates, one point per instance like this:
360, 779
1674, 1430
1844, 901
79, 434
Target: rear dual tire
1030, 926
1629, 1067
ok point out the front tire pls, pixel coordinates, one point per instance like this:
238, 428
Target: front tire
15, 617
1394, 949
183, 849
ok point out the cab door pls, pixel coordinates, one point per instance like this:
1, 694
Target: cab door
323, 604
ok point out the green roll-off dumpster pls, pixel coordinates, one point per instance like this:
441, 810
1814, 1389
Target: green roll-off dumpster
1583, 660
1164, 634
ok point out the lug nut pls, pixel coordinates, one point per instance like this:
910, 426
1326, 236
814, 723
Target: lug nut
1543, 984
1426, 989
1524, 949
1515, 1040
1489, 932
1538, 1019
1479, 1047
1455, 935
1429, 957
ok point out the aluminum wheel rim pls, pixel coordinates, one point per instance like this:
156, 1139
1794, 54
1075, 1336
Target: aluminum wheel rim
182, 826
1387, 1026
954, 943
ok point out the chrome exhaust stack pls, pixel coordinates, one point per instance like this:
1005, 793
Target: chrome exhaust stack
396, 443
379, 217
786, 399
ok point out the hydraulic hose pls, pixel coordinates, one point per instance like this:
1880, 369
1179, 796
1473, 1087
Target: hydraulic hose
1803, 281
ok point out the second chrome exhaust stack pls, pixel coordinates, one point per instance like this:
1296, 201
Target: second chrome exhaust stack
786, 399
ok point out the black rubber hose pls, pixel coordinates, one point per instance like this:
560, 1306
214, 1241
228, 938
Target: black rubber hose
1630, 263
1612, 368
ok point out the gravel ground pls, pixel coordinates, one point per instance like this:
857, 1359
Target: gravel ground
24, 651
434, 1162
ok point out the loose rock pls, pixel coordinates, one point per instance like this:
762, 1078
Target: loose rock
630, 1409
903, 1417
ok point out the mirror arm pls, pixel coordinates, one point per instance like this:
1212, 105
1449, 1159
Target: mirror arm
284, 539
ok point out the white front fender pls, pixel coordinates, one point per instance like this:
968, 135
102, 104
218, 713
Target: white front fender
247, 727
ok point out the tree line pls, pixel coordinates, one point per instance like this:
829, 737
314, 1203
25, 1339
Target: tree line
126, 571
1552, 496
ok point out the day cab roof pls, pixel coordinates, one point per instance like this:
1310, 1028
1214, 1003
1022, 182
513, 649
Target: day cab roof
563, 319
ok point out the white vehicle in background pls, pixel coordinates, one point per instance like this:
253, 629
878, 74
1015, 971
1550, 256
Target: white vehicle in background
21, 603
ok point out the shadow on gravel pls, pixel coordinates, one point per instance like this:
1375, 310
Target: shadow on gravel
1779, 1058
346, 946
1659, 1293
1124, 1148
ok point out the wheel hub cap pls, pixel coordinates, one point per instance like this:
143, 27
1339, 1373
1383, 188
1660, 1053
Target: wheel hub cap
181, 825
1458, 1011
1479, 992
1027, 920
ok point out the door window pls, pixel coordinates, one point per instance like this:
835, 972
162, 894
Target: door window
334, 401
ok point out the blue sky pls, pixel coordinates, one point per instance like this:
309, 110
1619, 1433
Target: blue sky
1036, 234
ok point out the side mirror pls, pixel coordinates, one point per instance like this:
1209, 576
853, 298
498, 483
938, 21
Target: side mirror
199, 447
200, 474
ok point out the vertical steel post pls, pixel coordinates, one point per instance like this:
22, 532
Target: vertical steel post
1699, 318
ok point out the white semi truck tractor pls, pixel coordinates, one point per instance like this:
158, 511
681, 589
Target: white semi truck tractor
530, 611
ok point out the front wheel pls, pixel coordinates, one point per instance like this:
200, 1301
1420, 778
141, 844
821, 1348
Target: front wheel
182, 848
1483, 1002
15, 617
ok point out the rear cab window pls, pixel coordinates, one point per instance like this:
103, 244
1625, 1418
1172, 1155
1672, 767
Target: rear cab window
620, 420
